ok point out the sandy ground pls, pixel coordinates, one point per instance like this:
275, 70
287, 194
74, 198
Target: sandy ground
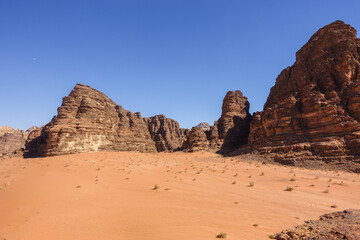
111, 196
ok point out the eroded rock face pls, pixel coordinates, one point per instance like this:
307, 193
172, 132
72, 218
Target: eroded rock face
33, 143
229, 132
197, 140
12, 142
89, 121
313, 112
338, 225
166, 133
234, 123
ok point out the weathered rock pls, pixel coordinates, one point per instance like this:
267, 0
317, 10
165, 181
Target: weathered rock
197, 140
229, 132
90, 121
234, 123
11, 140
33, 143
338, 225
166, 133
314, 108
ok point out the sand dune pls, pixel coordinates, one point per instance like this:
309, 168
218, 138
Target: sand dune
112, 196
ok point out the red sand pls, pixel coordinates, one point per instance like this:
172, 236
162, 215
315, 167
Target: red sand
110, 196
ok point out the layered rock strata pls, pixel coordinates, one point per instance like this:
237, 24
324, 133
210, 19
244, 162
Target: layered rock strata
313, 111
166, 133
89, 121
12, 142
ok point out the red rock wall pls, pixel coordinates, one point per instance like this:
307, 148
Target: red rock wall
89, 121
313, 111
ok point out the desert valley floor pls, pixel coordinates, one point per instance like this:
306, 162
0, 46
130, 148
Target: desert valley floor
107, 195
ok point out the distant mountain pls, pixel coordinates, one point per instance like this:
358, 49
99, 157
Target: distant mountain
203, 125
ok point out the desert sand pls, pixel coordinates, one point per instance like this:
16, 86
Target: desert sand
106, 195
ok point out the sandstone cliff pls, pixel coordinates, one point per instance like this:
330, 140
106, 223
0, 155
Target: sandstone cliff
312, 112
229, 132
89, 121
166, 133
12, 142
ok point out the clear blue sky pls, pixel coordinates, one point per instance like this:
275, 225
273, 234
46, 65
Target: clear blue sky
177, 58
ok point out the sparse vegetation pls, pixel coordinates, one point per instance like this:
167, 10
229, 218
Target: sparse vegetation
221, 235
251, 184
292, 179
255, 225
156, 187
289, 189
326, 191
333, 206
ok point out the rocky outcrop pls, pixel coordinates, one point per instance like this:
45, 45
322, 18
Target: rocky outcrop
89, 121
234, 123
12, 142
166, 133
338, 225
198, 140
313, 111
229, 132
32, 143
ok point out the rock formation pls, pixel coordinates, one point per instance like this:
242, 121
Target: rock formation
12, 142
313, 111
166, 133
198, 141
338, 225
32, 143
234, 123
89, 121
229, 132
